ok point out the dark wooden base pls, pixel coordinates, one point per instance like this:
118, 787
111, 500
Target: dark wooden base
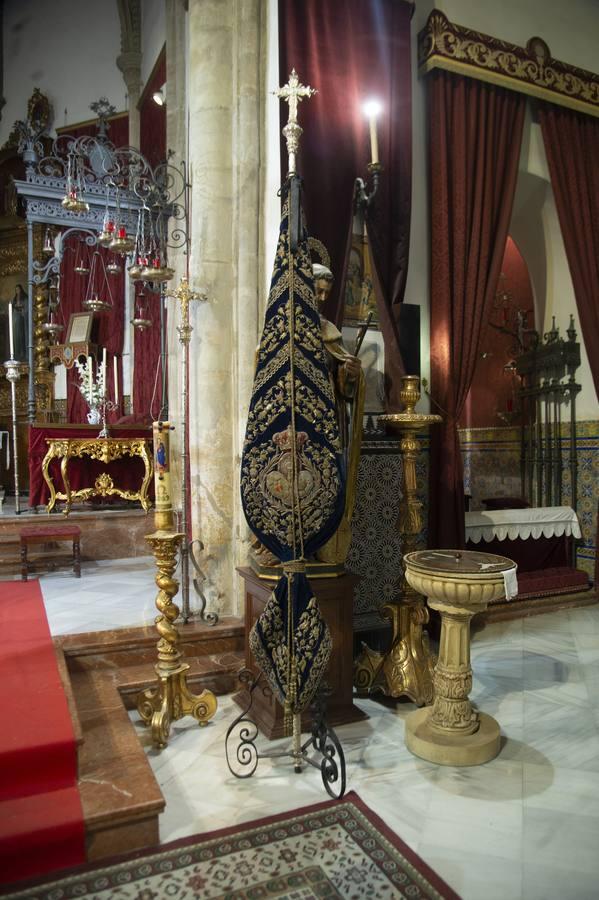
335, 597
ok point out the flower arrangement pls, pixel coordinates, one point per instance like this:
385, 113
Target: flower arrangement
93, 390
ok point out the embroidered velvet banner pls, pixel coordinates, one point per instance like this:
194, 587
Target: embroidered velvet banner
292, 478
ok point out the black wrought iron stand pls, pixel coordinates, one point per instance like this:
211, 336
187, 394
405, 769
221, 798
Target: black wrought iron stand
240, 741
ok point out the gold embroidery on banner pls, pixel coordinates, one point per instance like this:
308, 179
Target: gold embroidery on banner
313, 647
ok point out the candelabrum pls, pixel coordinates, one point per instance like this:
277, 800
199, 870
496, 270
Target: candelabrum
406, 669
13, 374
105, 406
184, 295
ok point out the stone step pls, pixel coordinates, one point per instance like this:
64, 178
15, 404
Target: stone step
120, 797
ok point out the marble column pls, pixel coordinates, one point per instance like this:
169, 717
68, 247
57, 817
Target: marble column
226, 74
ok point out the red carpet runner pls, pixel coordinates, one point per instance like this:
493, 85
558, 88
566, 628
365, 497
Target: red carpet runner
41, 822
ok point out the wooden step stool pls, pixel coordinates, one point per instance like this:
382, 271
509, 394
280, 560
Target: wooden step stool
44, 534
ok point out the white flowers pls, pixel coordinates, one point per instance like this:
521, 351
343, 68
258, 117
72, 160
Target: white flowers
93, 390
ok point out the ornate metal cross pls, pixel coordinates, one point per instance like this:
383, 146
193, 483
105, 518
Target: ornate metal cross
292, 93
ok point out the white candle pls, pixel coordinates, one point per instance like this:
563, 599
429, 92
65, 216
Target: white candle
10, 334
104, 372
116, 380
90, 369
374, 141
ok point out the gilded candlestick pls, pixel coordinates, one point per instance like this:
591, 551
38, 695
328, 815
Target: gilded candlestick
406, 669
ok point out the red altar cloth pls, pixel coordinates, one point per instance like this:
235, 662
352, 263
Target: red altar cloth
127, 472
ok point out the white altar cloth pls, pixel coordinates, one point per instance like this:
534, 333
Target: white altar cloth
535, 522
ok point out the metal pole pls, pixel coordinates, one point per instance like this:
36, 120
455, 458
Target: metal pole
163, 391
184, 460
30, 357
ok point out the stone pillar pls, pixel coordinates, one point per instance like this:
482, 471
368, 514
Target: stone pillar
226, 69
130, 65
129, 61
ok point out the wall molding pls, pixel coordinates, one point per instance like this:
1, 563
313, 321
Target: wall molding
530, 70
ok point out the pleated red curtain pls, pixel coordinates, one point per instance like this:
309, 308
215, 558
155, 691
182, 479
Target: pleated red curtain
108, 327
118, 131
147, 369
350, 51
572, 146
475, 139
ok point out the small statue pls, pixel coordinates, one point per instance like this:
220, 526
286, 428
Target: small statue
348, 382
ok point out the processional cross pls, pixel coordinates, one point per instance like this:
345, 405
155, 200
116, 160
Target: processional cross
292, 93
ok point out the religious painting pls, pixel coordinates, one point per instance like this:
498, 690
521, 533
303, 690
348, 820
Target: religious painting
360, 299
80, 326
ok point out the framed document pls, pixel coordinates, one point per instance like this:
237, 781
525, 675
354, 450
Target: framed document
80, 326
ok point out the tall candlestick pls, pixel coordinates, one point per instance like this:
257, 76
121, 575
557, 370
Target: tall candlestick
104, 372
116, 380
10, 333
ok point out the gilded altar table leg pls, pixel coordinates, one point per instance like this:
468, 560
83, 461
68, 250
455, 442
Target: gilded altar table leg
148, 471
46, 475
65, 480
171, 699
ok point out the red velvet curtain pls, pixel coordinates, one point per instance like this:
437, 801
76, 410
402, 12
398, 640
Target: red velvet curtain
572, 146
475, 138
147, 370
351, 50
108, 326
118, 132
152, 117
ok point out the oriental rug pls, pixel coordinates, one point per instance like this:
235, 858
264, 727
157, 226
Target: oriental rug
338, 848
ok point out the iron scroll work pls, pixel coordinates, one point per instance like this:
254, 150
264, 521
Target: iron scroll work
102, 181
322, 750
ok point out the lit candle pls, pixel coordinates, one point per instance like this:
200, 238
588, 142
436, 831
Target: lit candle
372, 109
10, 333
374, 141
104, 372
116, 380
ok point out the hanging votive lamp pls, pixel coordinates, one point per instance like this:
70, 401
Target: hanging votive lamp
121, 242
157, 271
73, 202
141, 320
107, 234
114, 268
94, 301
52, 328
48, 248
80, 267
135, 269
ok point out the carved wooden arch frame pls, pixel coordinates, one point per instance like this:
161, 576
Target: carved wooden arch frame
529, 70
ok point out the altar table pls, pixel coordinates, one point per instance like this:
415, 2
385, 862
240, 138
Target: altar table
535, 538
71, 462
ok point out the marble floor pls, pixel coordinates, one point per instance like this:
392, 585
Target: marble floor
526, 825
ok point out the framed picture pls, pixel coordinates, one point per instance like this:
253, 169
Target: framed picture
372, 357
80, 326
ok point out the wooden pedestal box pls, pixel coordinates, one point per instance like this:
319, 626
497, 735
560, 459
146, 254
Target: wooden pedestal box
335, 598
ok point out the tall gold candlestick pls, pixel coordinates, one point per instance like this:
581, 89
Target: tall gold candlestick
406, 669
171, 699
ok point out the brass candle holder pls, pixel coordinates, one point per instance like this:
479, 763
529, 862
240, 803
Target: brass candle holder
171, 699
406, 669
